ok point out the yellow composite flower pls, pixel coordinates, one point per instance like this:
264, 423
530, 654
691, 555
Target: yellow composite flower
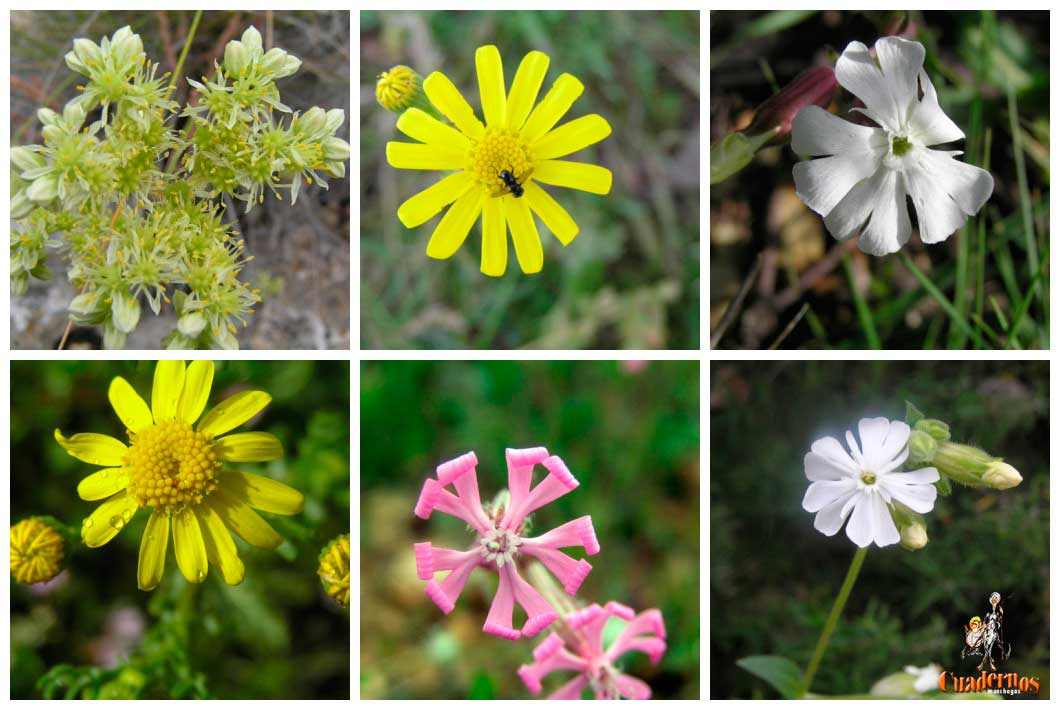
36, 552
516, 137
178, 470
334, 570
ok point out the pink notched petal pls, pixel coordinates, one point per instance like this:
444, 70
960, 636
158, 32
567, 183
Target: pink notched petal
434, 497
548, 648
428, 499
571, 690
446, 592
569, 571
620, 610
577, 533
454, 469
558, 482
530, 679
586, 616
521, 464
539, 613
424, 560
499, 619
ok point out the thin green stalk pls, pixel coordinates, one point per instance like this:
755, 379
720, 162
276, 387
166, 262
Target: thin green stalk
864, 314
936, 294
1017, 319
980, 257
173, 79
1026, 208
833, 617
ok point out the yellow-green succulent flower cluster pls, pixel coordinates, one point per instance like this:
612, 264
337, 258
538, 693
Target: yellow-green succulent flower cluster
136, 200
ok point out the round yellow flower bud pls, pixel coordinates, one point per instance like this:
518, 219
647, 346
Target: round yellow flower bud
334, 570
1002, 476
397, 89
36, 552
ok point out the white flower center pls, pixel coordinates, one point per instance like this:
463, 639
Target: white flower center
868, 478
500, 546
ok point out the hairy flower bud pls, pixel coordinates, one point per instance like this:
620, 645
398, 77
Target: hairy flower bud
1001, 476
813, 87
911, 528
398, 88
922, 448
937, 429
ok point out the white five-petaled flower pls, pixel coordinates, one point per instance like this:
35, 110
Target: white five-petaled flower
861, 186
865, 482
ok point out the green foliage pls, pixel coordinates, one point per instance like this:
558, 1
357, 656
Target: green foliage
631, 277
779, 672
139, 205
629, 432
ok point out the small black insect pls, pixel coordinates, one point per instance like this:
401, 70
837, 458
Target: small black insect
512, 183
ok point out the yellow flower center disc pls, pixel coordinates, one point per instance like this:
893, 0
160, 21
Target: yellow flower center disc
170, 466
499, 149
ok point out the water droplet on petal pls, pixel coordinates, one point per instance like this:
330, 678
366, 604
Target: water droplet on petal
86, 523
202, 575
117, 523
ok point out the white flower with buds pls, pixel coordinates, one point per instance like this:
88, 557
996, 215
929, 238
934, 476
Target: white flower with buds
865, 483
861, 186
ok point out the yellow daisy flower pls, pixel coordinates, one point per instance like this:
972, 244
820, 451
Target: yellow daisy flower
518, 138
36, 552
334, 570
178, 471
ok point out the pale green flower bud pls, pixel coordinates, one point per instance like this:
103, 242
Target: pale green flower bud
21, 205
252, 40
177, 341
86, 307
75, 63
273, 60
937, 429
125, 311
125, 45
336, 149
25, 158
922, 448
334, 118
19, 284
47, 117
290, 66
191, 324
87, 50
311, 121
1001, 476
74, 115
52, 134
914, 536
113, 339
236, 58
44, 189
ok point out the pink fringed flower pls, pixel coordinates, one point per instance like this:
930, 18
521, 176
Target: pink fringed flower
499, 539
580, 649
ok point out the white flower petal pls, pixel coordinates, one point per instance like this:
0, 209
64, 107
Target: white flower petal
901, 61
847, 217
921, 475
969, 186
832, 516
938, 214
873, 432
830, 448
871, 522
928, 124
895, 462
889, 227
822, 468
919, 497
818, 132
823, 493
884, 93
823, 183
882, 440
855, 452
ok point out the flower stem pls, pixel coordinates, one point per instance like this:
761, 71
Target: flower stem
833, 617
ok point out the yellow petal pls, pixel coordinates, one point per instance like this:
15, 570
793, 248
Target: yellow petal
108, 519
220, 548
248, 446
420, 156
102, 484
98, 449
262, 493
447, 98
129, 406
557, 219
153, 551
524, 235
242, 520
189, 546
452, 230
169, 381
422, 206
527, 83
233, 412
490, 84
197, 382
571, 137
557, 102
579, 176
421, 126
494, 239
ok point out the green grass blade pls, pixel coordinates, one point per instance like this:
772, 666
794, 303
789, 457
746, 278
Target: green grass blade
934, 292
864, 314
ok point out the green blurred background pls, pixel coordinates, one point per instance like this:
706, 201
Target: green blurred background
628, 431
276, 635
991, 71
631, 278
773, 577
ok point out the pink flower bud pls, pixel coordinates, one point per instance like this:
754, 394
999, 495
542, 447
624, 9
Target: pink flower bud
813, 87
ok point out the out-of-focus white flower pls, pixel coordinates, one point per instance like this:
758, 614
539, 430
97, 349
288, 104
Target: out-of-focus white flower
861, 186
926, 677
862, 484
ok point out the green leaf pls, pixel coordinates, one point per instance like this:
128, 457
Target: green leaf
732, 153
481, 688
912, 414
779, 672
